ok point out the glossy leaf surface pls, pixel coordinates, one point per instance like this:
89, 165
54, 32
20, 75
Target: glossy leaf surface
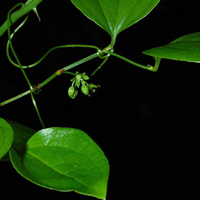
64, 159
186, 48
115, 15
6, 137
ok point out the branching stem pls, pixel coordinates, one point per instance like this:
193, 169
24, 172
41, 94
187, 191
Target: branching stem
19, 63
95, 55
103, 54
57, 73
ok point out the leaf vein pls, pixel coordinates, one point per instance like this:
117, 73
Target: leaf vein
60, 172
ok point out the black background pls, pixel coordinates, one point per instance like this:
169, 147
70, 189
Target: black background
146, 123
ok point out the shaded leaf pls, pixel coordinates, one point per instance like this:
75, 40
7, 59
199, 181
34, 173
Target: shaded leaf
6, 137
115, 15
185, 48
64, 159
21, 134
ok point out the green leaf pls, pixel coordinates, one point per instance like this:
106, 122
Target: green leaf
185, 48
21, 134
63, 159
6, 137
115, 15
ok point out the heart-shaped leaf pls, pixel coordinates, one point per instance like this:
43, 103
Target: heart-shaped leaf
63, 159
6, 137
185, 48
115, 15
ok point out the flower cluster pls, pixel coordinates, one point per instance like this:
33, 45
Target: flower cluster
81, 79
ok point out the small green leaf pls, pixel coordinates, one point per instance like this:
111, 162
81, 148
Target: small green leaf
115, 15
185, 48
64, 159
6, 137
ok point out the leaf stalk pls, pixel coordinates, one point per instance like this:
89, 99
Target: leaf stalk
148, 67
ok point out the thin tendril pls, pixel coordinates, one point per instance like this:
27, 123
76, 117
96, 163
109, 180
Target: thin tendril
11, 46
8, 43
19, 63
99, 67
37, 110
49, 51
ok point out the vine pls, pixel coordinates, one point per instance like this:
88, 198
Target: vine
102, 54
67, 159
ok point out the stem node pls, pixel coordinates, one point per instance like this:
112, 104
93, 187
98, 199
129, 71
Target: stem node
59, 72
37, 89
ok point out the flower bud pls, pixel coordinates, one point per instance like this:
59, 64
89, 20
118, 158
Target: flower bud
85, 77
85, 90
72, 92
79, 77
78, 83
93, 87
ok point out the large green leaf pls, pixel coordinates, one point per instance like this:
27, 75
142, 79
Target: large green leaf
185, 48
63, 159
115, 15
6, 137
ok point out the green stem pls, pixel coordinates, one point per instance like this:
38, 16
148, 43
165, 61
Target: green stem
99, 67
15, 98
52, 49
8, 43
66, 72
11, 46
64, 46
149, 67
112, 43
57, 73
37, 111
19, 63
95, 55
18, 14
